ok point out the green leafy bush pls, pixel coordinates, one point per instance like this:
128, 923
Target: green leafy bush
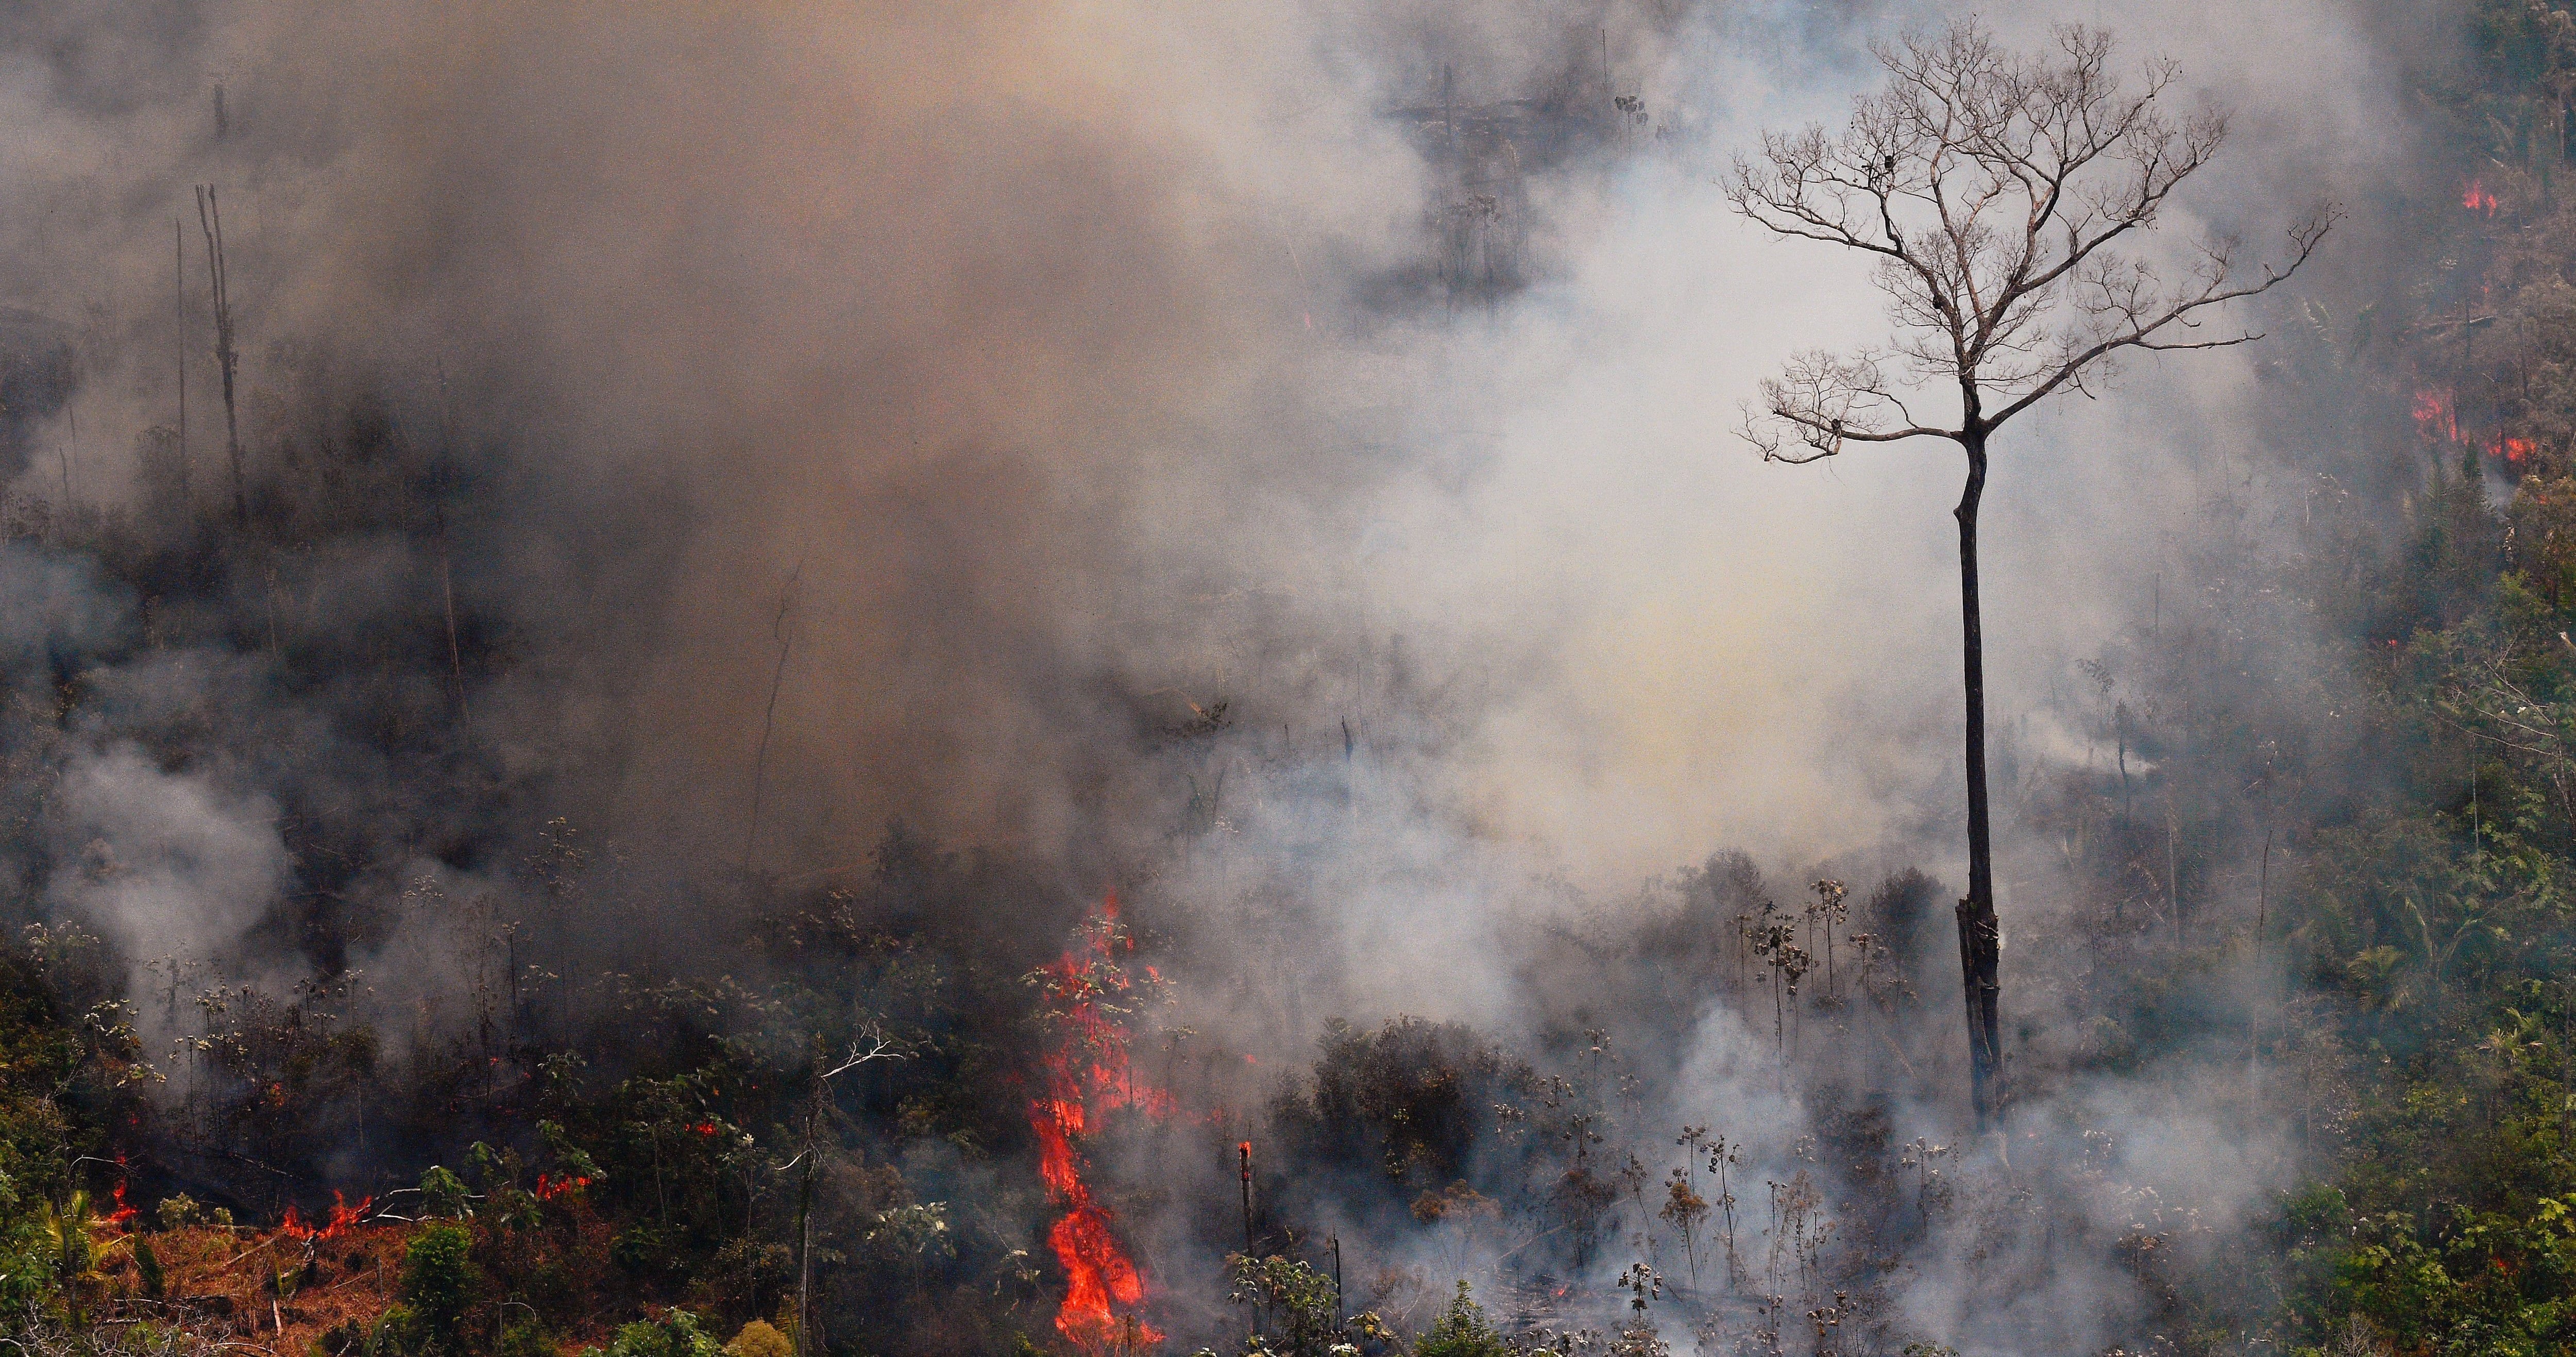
674, 1334
443, 1193
439, 1280
1462, 1331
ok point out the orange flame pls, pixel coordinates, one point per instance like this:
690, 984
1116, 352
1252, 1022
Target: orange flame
123, 1216
1087, 1072
2477, 199
550, 1188
2514, 450
2435, 417
343, 1216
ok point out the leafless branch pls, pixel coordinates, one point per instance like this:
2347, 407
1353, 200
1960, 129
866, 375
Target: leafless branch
1999, 195
871, 1044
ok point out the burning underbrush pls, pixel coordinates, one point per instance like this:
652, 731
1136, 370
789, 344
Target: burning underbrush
904, 1128
1089, 999
283, 1289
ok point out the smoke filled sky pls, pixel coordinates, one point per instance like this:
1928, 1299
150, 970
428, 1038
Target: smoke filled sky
994, 387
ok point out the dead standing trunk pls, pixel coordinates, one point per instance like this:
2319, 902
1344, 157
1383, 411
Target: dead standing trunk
210, 219
1980, 937
1996, 192
805, 1228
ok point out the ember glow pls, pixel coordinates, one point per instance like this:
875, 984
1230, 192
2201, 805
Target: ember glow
1088, 1000
2476, 199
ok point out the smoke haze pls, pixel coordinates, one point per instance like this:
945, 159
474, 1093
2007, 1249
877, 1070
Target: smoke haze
1094, 435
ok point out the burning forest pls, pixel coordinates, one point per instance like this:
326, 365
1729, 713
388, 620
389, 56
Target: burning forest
918, 679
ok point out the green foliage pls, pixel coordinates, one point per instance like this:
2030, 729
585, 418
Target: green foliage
177, 1211
910, 1235
742, 1277
2484, 1282
439, 1282
527, 1337
41, 1058
640, 1249
1462, 1331
147, 1269
64, 1231
1295, 1302
444, 1194
674, 1334
26, 1263
2526, 52
571, 1160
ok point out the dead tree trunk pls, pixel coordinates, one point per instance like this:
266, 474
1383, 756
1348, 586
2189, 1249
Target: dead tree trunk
210, 219
446, 560
1996, 193
1980, 937
179, 292
805, 1228
784, 627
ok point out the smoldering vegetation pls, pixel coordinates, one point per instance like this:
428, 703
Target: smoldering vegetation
735, 537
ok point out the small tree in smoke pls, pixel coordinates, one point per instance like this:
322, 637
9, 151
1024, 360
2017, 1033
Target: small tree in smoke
872, 1044
1684, 1209
1997, 193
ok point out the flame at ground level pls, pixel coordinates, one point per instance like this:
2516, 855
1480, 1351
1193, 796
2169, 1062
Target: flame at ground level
1096, 1273
1088, 995
343, 1215
122, 1217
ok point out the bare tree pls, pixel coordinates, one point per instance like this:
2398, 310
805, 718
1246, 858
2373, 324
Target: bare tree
783, 626
179, 294
2004, 197
871, 1044
210, 219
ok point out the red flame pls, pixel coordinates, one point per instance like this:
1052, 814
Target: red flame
2514, 450
1087, 1074
123, 1216
704, 1128
2477, 199
2435, 417
343, 1215
550, 1188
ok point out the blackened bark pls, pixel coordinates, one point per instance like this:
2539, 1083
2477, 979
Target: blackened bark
1980, 940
